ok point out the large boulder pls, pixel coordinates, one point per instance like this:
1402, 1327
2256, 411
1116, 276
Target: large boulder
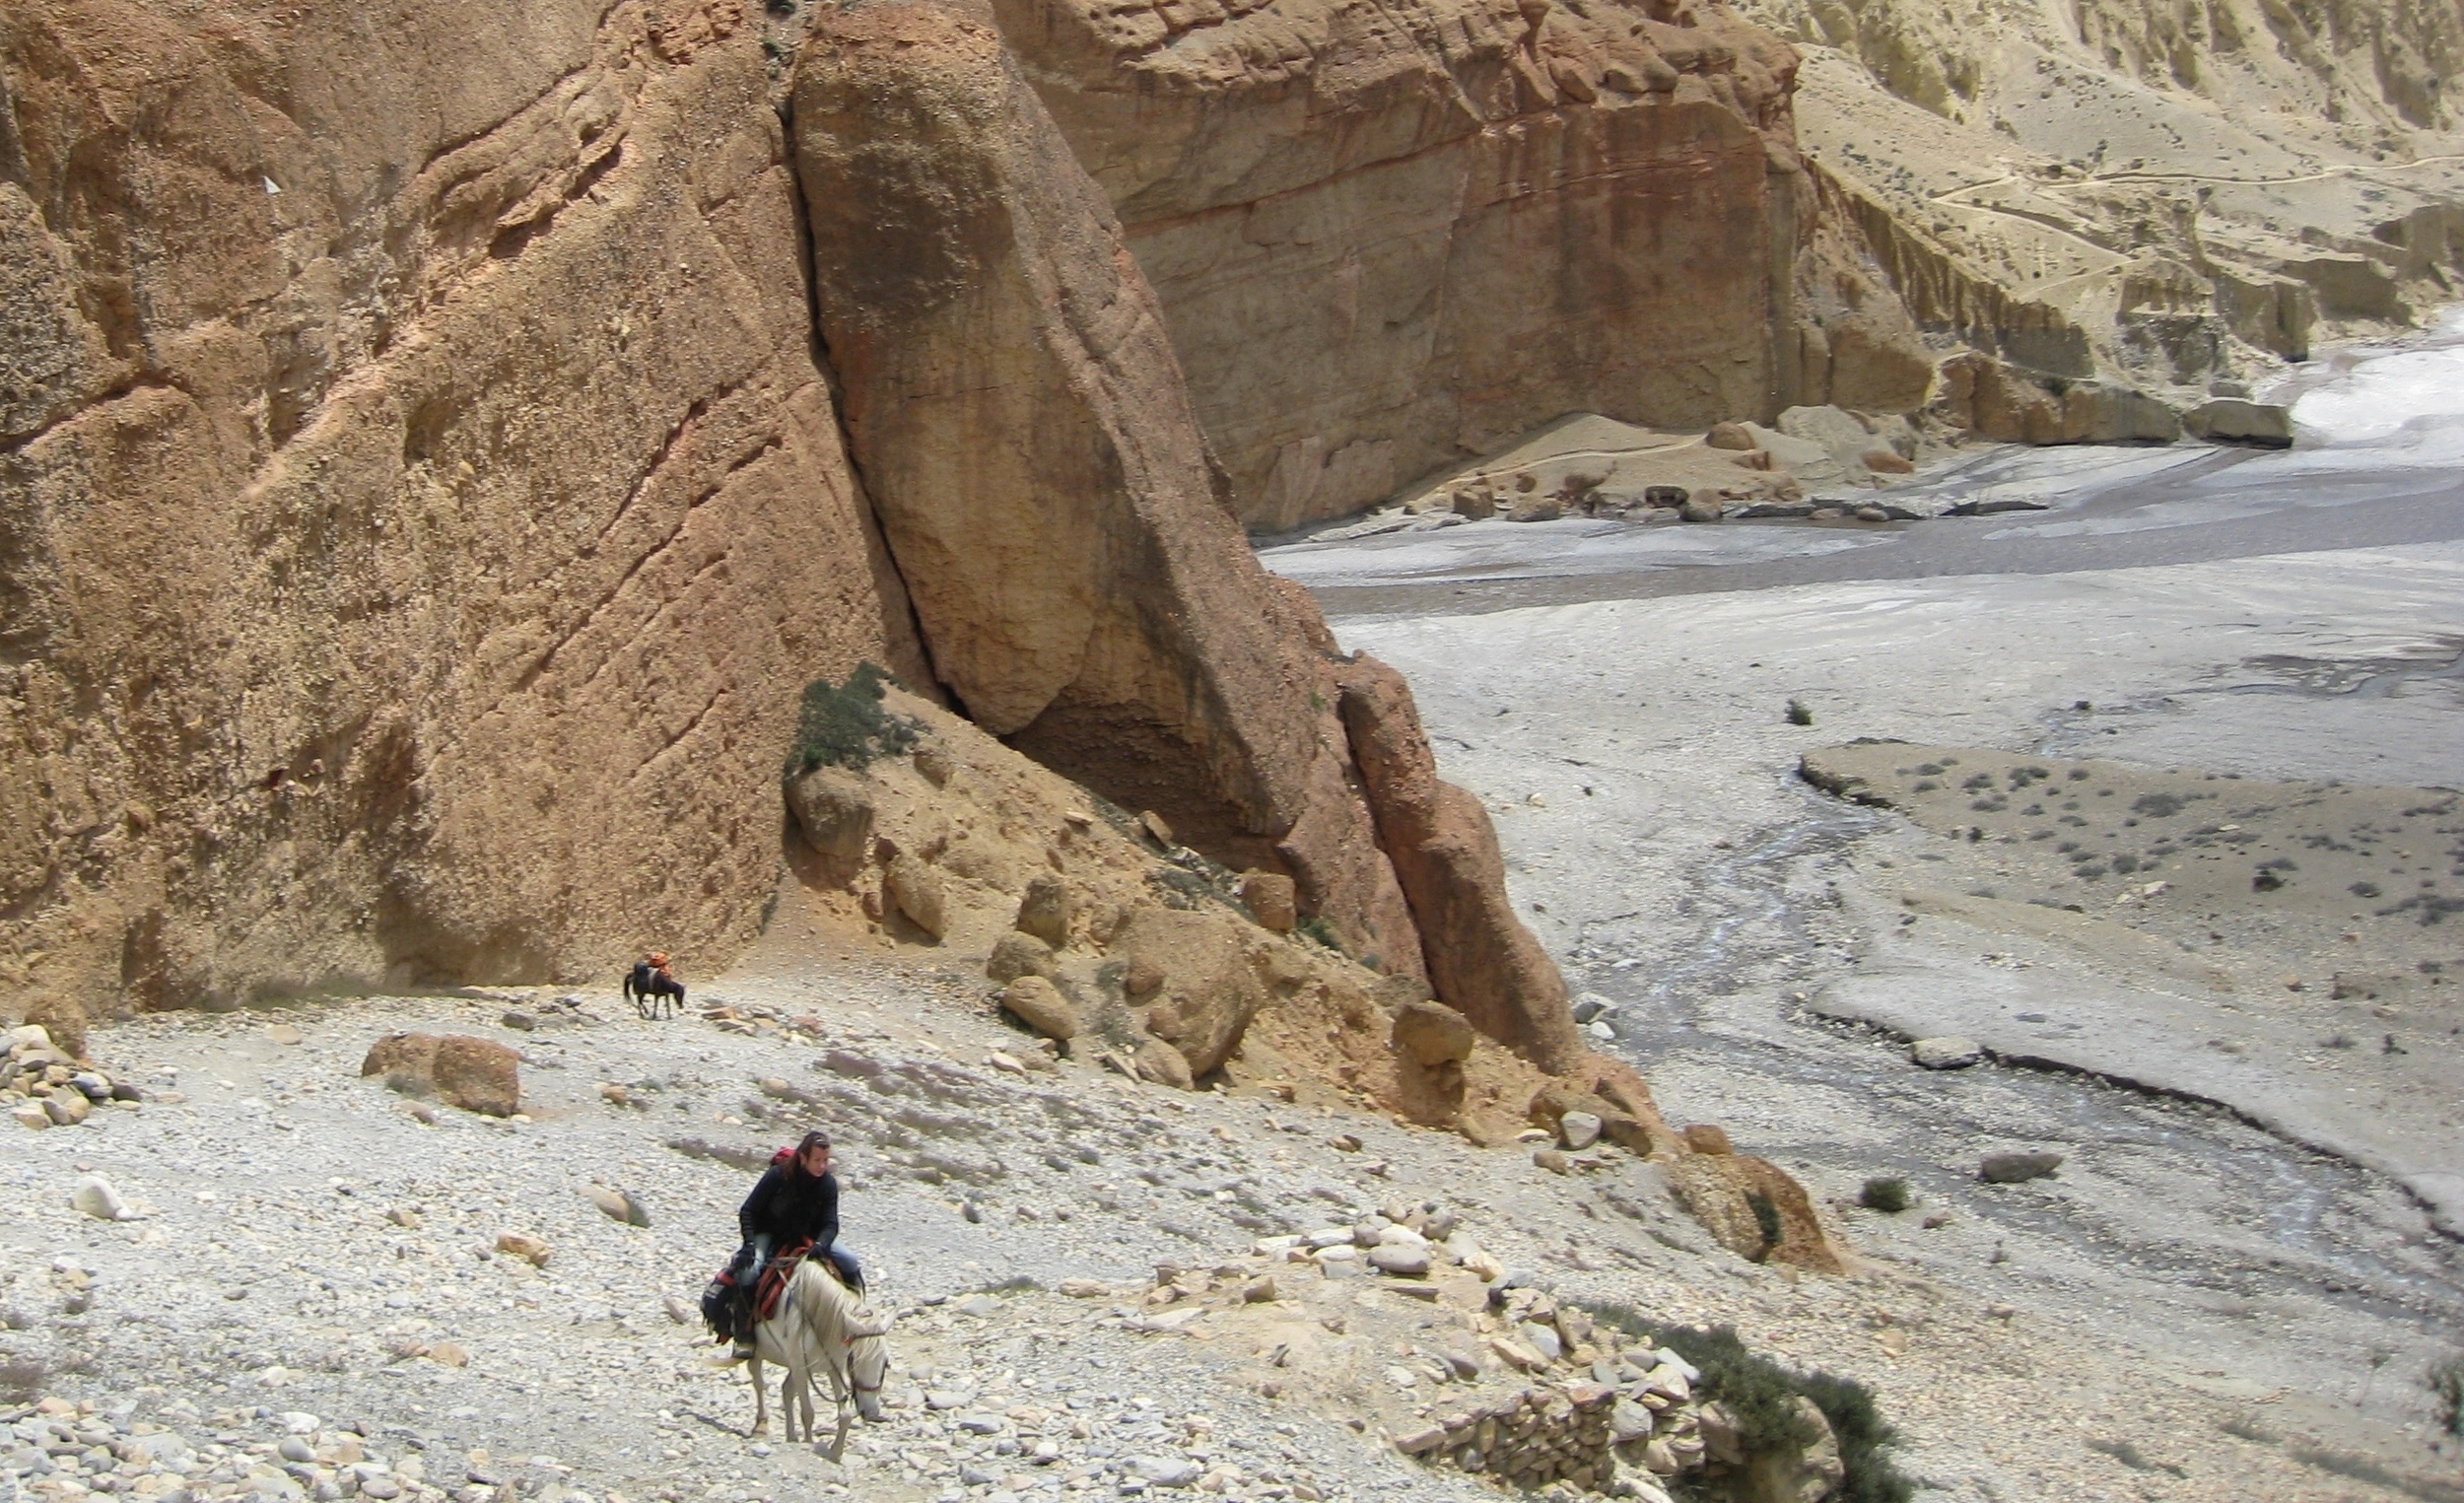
1211, 989
1754, 1208
1045, 910
910, 884
475, 1074
1431, 1034
1035, 1001
833, 807
2232, 420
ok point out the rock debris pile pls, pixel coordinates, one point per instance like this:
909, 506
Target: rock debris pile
47, 1086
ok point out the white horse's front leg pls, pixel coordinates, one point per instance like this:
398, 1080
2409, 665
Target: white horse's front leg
761, 1400
789, 1391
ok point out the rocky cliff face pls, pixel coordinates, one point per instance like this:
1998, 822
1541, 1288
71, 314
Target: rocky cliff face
1014, 403
1387, 240
419, 499
424, 499
2169, 202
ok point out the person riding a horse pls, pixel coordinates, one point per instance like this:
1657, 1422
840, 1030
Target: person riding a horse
795, 1200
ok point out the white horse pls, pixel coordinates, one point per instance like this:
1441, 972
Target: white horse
821, 1326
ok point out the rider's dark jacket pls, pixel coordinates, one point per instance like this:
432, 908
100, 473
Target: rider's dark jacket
788, 1205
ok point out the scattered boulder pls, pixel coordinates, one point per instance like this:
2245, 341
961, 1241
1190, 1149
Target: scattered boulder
1017, 954
1046, 910
1703, 1138
1730, 436
530, 1250
67, 1108
1699, 509
1589, 1005
1951, 1051
916, 888
619, 1206
1157, 828
833, 807
1883, 462
1163, 1064
1401, 1260
1035, 1001
1215, 990
93, 1197
1272, 898
2231, 420
475, 1074
934, 760
1431, 1034
1535, 509
2017, 1168
1579, 1129
30, 1116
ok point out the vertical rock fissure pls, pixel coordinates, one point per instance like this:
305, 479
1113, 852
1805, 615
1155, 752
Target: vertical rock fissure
831, 381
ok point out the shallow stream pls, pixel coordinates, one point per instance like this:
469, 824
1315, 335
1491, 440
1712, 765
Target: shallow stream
2238, 1254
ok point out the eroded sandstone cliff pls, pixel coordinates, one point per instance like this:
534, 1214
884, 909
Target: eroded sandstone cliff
1388, 239
425, 498
419, 499
1015, 405
2166, 202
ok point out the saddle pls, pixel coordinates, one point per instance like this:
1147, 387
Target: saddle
731, 1312
774, 1280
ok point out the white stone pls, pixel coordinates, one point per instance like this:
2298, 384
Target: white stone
1581, 1130
95, 1196
1163, 1470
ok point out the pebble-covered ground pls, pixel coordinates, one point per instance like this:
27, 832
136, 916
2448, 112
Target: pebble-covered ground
307, 1298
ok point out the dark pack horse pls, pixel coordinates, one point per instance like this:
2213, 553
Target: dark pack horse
650, 989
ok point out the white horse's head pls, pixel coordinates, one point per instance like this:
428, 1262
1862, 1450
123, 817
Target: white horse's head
868, 1361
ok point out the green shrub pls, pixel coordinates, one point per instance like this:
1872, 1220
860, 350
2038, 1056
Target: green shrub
2445, 1382
846, 726
1766, 1221
1761, 1395
1798, 713
1316, 927
1884, 1195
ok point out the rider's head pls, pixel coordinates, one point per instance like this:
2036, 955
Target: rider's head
812, 1155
